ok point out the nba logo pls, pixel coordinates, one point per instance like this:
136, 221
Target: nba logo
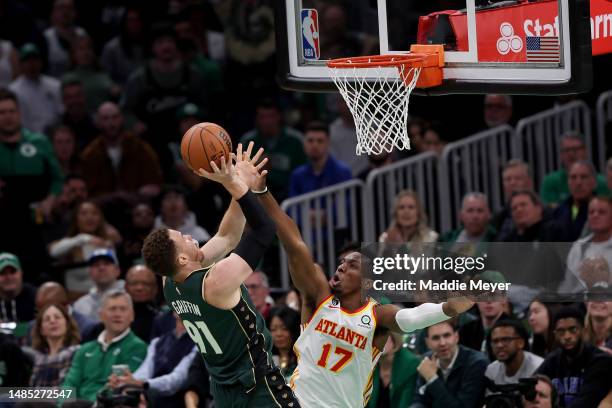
310, 34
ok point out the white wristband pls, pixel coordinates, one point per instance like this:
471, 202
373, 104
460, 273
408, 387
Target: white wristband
264, 191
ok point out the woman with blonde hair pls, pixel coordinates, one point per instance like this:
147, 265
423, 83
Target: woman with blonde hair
409, 223
55, 339
88, 231
598, 325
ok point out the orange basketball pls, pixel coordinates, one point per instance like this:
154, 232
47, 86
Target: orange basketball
203, 143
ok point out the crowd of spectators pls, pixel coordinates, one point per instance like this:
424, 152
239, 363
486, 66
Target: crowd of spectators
94, 99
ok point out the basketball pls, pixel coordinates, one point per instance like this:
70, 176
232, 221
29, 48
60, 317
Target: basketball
203, 143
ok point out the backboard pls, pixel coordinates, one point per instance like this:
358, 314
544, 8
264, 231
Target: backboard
513, 46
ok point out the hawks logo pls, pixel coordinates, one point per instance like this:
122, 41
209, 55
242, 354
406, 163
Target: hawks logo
335, 303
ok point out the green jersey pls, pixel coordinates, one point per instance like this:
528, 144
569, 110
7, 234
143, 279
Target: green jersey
235, 344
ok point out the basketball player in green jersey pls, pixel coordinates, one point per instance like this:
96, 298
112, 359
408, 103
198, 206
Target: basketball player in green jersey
214, 305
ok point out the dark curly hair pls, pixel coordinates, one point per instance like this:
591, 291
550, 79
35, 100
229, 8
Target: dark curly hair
159, 252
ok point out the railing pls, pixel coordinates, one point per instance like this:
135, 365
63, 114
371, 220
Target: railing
538, 136
327, 218
604, 119
418, 173
474, 164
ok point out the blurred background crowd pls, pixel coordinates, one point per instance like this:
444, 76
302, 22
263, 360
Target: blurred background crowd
94, 99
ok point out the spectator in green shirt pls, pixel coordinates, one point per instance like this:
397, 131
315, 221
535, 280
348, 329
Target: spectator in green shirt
283, 146
30, 179
554, 189
93, 363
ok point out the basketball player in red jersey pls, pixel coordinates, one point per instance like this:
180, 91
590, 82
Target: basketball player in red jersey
343, 332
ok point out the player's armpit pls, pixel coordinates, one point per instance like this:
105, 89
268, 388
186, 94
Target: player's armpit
221, 288
385, 317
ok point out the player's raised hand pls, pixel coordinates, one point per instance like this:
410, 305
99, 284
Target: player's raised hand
223, 175
250, 170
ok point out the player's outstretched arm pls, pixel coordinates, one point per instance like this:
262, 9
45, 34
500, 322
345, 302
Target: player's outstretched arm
221, 288
228, 236
232, 224
407, 320
306, 277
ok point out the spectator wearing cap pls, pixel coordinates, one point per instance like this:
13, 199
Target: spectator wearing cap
555, 188
175, 214
16, 296
60, 35
104, 272
509, 340
93, 363
117, 160
154, 92
579, 371
39, 95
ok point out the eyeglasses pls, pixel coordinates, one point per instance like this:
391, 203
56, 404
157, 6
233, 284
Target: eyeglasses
503, 340
571, 330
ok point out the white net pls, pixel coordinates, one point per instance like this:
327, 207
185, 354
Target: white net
379, 106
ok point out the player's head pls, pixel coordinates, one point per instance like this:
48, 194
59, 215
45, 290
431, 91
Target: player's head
348, 278
166, 251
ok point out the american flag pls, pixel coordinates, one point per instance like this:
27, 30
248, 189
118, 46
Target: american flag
543, 49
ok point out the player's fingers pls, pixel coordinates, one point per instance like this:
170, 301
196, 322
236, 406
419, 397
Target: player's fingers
264, 173
215, 168
262, 164
224, 169
249, 150
239, 154
257, 155
204, 173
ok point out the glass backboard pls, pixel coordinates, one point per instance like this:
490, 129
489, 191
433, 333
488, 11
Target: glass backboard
511, 46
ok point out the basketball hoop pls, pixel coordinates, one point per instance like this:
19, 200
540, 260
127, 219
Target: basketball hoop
378, 100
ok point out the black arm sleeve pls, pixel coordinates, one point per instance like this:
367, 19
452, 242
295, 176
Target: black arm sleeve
254, 242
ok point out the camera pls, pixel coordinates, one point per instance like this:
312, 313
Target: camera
124, 396
511, 395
